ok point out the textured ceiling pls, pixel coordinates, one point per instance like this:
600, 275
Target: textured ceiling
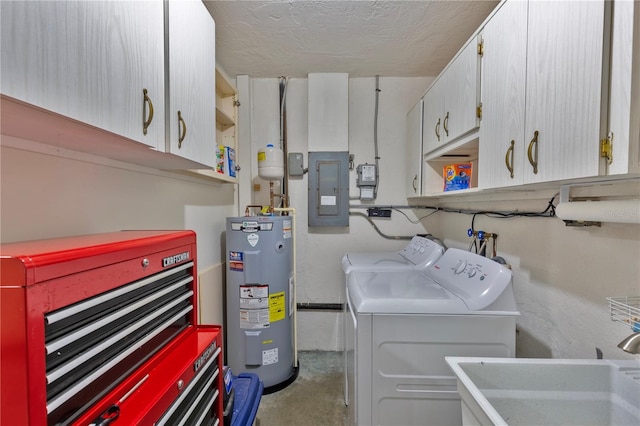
363, 38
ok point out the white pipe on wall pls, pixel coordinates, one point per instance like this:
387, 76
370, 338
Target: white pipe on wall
294, 303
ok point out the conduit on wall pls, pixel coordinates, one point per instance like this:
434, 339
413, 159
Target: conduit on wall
284, 82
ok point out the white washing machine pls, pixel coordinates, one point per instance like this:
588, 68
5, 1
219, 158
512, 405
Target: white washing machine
419, 254
403, 323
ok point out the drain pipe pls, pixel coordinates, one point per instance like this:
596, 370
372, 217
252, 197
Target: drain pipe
295, 284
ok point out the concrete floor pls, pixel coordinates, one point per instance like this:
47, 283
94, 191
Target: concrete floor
316, 397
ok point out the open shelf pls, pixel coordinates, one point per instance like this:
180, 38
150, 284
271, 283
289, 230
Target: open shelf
463, 151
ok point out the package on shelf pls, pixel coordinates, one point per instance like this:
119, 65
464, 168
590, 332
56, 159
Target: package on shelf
220, 159
231, 161
457, 176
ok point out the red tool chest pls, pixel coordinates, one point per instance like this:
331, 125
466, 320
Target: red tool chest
102, 329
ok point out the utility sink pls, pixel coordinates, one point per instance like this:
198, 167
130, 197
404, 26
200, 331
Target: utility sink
524, 391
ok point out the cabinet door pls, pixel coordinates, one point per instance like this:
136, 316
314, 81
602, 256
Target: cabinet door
89, 61
414, 150
461, 93
564, 89
502, 147
191, 117
623, 92
433, 133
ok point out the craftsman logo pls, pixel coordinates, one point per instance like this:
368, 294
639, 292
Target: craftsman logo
204, 357
172, 260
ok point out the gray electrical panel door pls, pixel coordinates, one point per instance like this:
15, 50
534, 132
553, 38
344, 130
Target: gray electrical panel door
328, 189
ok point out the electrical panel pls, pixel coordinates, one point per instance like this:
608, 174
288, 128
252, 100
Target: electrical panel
328, 189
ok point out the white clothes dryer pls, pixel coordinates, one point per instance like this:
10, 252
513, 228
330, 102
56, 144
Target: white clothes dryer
419, 254
403, 323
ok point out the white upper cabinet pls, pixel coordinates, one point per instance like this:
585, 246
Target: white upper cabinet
414, 150
433, 135
112, 78
564, 109
544, 91
90, 61
191, 113
502, 146
560, 96
624, 94
461, 93
450, 104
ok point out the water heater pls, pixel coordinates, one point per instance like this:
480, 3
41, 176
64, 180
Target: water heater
259, 304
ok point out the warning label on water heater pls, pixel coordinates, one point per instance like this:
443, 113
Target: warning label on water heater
276, 306
286, 229
254, 306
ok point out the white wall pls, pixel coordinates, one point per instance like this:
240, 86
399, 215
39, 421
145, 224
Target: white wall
50, 192
562, 276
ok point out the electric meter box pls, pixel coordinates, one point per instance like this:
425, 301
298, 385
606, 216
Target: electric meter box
367, 181
366, 175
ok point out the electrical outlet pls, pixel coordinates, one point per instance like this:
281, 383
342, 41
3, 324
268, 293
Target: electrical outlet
376, 212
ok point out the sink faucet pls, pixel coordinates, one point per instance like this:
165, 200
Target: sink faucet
631, 344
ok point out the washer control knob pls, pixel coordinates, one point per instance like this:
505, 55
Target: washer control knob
472, 272
459, 268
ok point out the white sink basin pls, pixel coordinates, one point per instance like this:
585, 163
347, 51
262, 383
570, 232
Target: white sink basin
508, 391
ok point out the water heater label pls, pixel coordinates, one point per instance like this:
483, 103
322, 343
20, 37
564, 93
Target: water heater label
249, 292
270, 356
291, 301
252, 239
254, 306
286, 229
236, 261
277, 306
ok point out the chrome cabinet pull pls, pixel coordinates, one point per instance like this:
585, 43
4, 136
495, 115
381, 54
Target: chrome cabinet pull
181, 125
508, 158
533, 153
438, 130
146, 119
415, 179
